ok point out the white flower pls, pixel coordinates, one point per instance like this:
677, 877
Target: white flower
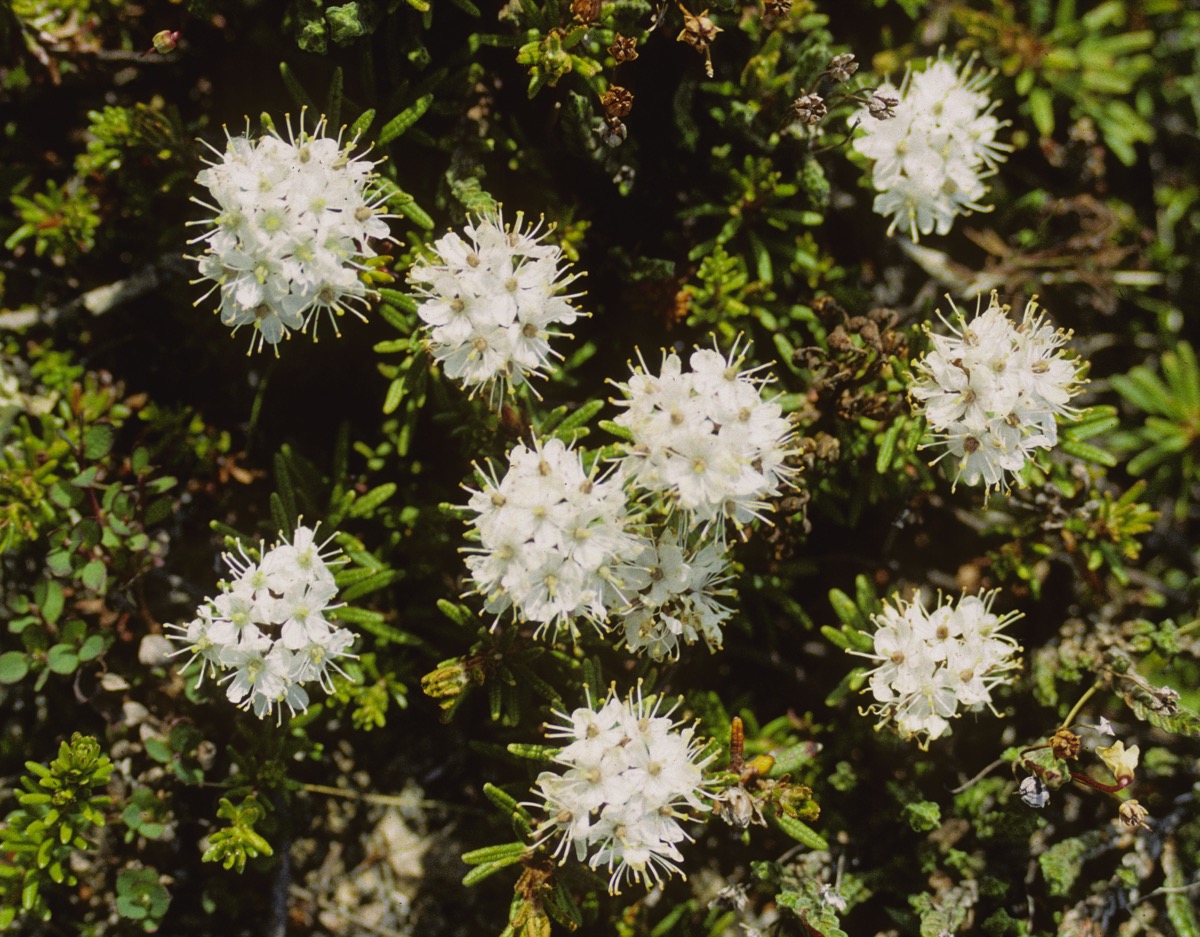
492, 303
992, 391
1034, 792
932, 664
293, 220
705, 440
268, 629
631, 776
931, 158
551, 539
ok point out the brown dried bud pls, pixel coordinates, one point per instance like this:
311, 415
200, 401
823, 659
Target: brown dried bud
699, 32
617, 102
841, 67
623, 49
586, 11
882, 106
1064, 744
1133, 814
809, 109
776, 9
737, 808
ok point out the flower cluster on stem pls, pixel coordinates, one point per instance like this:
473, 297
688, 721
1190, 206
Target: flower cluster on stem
267, 634
492, 303
293, 221
993, 389
935, 147
630, 775
930, 665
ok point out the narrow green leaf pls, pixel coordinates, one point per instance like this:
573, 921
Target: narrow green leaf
405, 119
359, 127
333, 101
797, 830
294, 88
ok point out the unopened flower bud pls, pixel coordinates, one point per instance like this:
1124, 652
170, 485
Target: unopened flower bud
841, 67
809, 109
1132, 814
165, 40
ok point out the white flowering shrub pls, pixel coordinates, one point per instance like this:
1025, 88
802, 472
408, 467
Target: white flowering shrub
293, 221
491, 301
632, 777
267, 635
992, 391
935, 664
529, 509
931, 156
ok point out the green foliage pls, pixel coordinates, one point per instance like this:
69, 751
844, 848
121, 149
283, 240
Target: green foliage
234, 844
58, 807
1165, 446
1083, 61
142, 897
62, 220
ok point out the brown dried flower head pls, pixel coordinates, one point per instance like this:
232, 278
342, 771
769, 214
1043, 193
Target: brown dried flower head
617, 102
1064, 744
809, 109
882, 106
586, 11
699, 32
776, 9
1132, 814
841, 67
623, 48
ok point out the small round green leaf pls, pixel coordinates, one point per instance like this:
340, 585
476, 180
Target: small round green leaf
13, 667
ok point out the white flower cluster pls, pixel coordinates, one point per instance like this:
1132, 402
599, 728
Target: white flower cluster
992, 390
551, 538
293, 223
631, 776
676, 600
558, 543
267, 629
932, 663
705, 439
931, 158
492, 303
